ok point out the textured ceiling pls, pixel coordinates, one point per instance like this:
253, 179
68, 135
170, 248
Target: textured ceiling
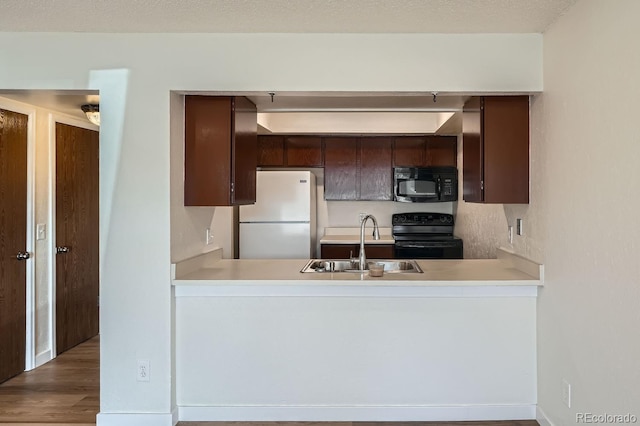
281, 16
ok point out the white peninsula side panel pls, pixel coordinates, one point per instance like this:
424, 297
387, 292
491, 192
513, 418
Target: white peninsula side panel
356, 358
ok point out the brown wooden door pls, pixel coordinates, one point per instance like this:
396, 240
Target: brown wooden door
341, 168
376, 171
77, 221
13, 239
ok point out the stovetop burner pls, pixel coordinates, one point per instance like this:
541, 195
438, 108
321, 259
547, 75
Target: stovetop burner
425, 236
421, 224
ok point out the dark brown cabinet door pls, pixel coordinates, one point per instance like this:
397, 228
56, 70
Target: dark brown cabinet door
207, 138
376, 171
425, 151
338, 251
410, 152
303, 151
442, 151
220, 151
13, 240
472, 151
77, 224
506, 149
496, 149
341, 168
342, 251
270, 151
379, 251
244, 152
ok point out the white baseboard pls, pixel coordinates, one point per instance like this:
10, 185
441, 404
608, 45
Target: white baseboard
43, 358
137, 419
358, 413
542, 418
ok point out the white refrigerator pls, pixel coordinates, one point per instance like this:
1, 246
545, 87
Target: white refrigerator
282, 222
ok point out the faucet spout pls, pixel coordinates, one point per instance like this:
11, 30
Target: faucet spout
362, 260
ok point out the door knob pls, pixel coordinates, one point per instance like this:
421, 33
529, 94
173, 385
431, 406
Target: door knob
62, 249
23, 255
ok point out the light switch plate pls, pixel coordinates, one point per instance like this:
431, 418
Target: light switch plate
41, 231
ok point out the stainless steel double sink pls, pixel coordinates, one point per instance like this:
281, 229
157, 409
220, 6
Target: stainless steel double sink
345, 265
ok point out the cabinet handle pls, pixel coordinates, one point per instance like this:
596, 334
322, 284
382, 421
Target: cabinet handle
63, 249
23, 255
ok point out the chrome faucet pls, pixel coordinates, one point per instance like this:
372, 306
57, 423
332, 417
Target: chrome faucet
362, 262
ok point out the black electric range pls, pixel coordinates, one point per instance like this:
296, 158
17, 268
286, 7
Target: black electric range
425, 236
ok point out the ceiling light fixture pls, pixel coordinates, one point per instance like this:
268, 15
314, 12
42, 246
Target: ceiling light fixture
92, 112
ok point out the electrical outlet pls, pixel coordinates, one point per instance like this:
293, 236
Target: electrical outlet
566, 393
143, 373
519, 230
209, 236
510, 234
362, 216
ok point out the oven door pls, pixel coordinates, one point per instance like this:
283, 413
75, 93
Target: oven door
447, 249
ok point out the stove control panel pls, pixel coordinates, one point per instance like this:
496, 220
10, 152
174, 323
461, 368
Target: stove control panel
422, 219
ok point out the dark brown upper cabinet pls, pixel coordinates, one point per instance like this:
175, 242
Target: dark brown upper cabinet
442, 151
220, 151
341, 171
425, 151
410, 151
289, 151
303, 151
376, 169
358, 168
270, 150
496, 149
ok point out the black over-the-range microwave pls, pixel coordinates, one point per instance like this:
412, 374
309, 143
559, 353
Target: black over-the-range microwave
425, 184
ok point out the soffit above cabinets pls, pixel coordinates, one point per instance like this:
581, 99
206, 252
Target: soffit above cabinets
352, 122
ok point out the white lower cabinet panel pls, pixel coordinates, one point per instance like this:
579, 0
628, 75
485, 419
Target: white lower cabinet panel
330, 358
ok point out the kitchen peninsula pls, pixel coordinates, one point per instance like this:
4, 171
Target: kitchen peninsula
258, 339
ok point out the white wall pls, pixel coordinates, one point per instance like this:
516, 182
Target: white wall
583, 212
356, 358
136, 74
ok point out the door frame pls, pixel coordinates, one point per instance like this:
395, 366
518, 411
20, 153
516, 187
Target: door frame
30, 331
55, 118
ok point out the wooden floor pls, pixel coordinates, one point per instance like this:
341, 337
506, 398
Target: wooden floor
67, 389
63, 391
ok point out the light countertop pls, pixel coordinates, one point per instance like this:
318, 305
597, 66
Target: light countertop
207, 270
